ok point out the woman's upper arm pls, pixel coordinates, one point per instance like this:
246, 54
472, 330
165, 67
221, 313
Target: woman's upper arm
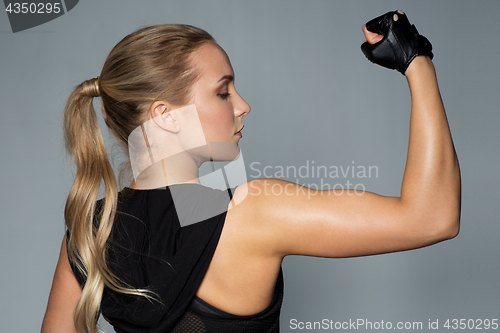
63, 297
336, 223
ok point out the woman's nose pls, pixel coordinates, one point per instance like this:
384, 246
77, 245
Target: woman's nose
242, 108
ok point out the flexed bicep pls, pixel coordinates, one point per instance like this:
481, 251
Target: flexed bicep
338, 223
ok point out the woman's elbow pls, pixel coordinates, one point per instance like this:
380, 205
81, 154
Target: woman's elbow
453, 227
448, 227
444, 215
437, 225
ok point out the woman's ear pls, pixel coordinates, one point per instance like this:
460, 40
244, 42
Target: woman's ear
160, 112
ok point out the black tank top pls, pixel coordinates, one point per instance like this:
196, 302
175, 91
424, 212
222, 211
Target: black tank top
150, 248
202, 317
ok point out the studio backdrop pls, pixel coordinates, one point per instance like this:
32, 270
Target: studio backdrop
317, 104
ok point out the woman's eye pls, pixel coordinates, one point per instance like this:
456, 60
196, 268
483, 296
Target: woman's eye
224, 95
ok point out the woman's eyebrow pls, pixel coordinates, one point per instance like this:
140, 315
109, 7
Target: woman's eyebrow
230, 78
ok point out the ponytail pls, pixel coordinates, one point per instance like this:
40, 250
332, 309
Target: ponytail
86, 243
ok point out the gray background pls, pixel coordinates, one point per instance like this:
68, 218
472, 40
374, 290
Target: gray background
314, 97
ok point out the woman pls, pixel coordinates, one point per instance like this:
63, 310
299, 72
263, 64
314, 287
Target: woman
133, 260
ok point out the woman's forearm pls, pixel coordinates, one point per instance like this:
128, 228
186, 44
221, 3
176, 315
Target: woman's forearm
431, 183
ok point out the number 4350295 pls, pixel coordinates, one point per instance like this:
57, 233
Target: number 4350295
33, 8
478, 324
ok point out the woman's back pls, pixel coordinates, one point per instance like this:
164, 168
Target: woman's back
151, 248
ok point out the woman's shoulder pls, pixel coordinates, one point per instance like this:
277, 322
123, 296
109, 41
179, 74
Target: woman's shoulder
262, 194
250, 214
261, 187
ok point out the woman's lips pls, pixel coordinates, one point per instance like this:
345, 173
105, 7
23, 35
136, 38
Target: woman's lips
239, 132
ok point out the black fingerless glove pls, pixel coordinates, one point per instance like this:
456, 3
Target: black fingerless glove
399, 46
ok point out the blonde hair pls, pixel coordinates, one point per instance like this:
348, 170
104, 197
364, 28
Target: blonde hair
150, 64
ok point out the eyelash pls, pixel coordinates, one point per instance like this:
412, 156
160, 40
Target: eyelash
224, 96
